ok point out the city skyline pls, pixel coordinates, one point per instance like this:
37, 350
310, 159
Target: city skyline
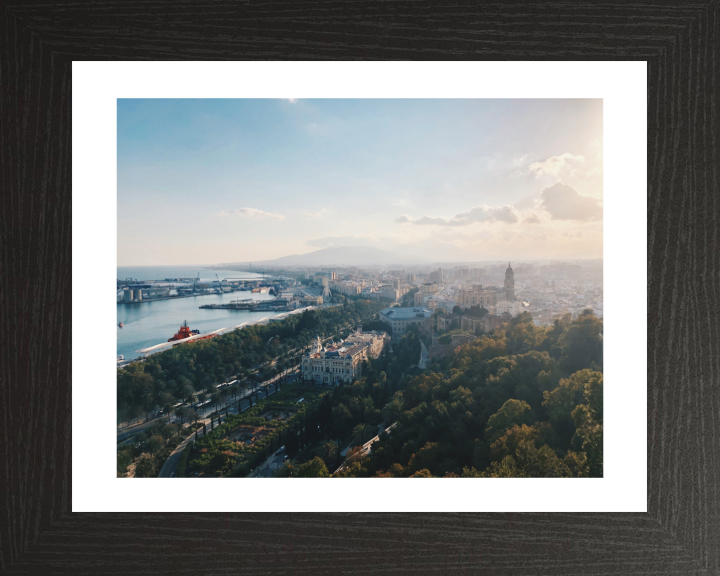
446, 180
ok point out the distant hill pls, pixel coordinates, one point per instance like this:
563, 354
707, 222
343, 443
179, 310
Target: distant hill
424, 252
337, 255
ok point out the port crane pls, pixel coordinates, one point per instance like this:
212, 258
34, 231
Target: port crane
195, 283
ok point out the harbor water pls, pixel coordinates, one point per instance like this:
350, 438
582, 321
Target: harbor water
149, 323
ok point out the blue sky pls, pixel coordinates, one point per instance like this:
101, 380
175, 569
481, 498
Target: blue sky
207, 181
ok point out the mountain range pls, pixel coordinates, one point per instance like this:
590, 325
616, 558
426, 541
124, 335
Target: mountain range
371, 255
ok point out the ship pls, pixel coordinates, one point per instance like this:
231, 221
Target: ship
120, 325
185, 332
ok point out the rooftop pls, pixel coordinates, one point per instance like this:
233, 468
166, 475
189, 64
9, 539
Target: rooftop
409, 313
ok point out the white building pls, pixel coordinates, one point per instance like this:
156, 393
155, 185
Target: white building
390, 293
339, 362
375, 340
513, 308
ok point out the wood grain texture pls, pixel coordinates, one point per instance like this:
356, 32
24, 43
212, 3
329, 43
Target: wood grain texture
681, 532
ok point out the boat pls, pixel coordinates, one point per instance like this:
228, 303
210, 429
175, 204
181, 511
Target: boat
120, 325
185, 333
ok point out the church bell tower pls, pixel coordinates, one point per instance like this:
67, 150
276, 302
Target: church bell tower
509, 285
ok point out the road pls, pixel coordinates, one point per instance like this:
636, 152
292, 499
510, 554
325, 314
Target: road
171, 464
424, 356
127, 432
266, 469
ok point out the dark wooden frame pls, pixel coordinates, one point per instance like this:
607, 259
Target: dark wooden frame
680, 534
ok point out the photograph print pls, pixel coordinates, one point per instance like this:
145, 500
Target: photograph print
359, 288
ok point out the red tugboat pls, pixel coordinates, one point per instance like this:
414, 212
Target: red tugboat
184, 332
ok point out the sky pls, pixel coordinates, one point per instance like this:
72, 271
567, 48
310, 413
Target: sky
211, 181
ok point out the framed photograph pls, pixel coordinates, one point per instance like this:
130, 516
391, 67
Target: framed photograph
380, 289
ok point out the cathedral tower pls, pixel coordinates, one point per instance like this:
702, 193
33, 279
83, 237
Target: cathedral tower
509, 285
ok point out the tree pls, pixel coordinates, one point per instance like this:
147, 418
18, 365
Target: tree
342, 420
180, 413
187, 390
169, 431
215, 399
314, 468
570, 392
512, 413
329, 452
193, 415
589, 438
146, 468
224, 394
393, 409
581, 344
155, 443
292, 444
361, 434
124, 457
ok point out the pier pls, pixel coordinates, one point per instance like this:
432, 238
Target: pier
254, 305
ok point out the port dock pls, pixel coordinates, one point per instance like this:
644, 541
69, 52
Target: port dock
278, 305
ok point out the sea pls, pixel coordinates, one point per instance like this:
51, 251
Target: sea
148, 323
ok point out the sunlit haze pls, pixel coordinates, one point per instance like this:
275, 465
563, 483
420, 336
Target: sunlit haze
229, 181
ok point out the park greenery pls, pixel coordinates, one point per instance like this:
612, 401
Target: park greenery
523, 401
148, 450
231, 449
252, 354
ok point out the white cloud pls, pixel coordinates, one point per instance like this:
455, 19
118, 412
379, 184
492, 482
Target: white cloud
554, 165
252, 213
564, 203
316, 215
519, 161
477, 214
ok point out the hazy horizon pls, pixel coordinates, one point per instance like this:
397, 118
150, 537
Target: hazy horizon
230, 181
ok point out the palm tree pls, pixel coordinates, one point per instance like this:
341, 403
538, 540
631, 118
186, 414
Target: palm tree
359, 434
215, 398
224, 394
180, 413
